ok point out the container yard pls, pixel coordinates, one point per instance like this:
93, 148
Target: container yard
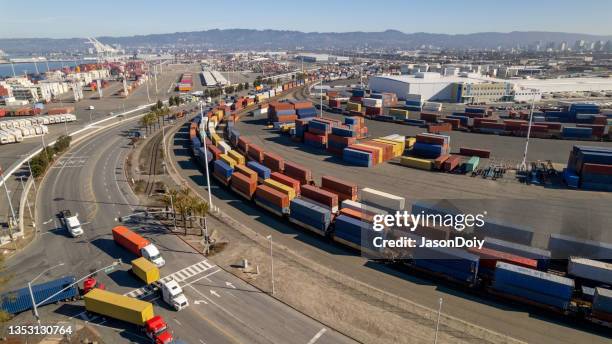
343, 212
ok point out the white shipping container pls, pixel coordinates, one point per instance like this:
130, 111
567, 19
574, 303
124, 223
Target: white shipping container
593, 270
224, 147
362, 207
432, 106
372, 102
382, 199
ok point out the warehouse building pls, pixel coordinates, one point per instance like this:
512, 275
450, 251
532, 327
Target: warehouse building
475, 88
466, 88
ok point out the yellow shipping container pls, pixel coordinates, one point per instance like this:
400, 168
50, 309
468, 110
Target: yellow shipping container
280, 187
119, 307
215, 138
145, 270
353, 106
410, 141
379, 149
398, 148
226, 158
239, 158
420, 164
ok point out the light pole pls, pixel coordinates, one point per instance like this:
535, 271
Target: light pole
206, 164
34, 305
269, 237
32, 175
27, 200
8, 197
171, 206
438, 321
321, 94
523, 166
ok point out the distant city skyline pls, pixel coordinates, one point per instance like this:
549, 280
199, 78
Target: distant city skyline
67, 19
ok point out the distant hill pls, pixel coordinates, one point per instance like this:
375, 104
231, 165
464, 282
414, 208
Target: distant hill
278, 39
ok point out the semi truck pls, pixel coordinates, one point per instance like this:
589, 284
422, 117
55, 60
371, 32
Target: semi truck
130, 310
171, 291
138, 245
71, 223
17, 301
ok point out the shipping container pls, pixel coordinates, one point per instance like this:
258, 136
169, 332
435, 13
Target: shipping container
323, 197
145, 270
262, 171
382, 200
591, 270
298, 172
129, 240
119, 307
244, 185
310, 215
17, 301
542, 256
564, 246
272, 200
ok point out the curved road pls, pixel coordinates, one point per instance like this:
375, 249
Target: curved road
89, 180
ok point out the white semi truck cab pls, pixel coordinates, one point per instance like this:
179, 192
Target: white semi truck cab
71, 223
173, 294
151, 253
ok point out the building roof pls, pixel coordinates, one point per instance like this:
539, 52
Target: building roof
437, 80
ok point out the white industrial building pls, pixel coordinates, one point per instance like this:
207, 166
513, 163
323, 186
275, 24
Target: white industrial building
473, 87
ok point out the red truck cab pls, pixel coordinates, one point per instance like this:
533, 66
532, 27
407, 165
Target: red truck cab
92, 283
157, 329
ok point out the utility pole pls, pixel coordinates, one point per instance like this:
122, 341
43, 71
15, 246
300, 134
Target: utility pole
210, 205
523, 166
321, 94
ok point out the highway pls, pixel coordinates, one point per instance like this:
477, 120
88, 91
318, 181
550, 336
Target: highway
89, 180
525, 324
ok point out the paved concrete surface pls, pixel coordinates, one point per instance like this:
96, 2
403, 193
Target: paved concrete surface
223, 308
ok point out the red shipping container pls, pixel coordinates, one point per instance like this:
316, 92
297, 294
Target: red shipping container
451, 163
430, 117
356, 214
454, 122
322, 139
439, 128
553, 126
335, 150
489, 258
320, 196
334, 103
255, 153
597, 169
341, 139
482, 153
2, 112
274, 162
430, 139
534, 128
440, 161
298, 172
478, 121
341, 186
243, 185
245, 171
301, 104
272, 196
373, 110
285, 180
355, 113
599, 119
492, 125
214, 150
243, 144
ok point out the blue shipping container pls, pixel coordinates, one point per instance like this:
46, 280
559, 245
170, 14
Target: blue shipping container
262, 171
513, 233
534, 280
427, 150
222, 168
18, 301
564, 246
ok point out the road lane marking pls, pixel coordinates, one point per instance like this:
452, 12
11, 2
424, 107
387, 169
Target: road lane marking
212, 292
178, 322
229, 284
179, 276
197, 302
317, 336
201, 278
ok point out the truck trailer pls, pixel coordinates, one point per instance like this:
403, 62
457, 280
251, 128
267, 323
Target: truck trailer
138, 245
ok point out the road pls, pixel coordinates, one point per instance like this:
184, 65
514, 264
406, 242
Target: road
89, 180
525, 324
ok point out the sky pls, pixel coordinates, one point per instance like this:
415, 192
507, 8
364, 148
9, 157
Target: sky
73, 18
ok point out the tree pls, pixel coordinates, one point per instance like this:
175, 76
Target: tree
160, 104
171, 101
239, 87
246, 85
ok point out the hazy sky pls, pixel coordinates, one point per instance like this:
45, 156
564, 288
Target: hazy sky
72, 18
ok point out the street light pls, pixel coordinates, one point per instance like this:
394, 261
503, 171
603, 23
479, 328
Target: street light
206, 159
269, 237
523, 166
171, 205
34, 305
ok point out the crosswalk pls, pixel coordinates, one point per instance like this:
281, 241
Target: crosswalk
178, 276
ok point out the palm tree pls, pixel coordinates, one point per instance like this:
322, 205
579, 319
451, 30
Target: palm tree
200, 209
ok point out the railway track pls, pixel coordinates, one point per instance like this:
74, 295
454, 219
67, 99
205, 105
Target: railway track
154, 157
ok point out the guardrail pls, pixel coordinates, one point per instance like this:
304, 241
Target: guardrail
7, 174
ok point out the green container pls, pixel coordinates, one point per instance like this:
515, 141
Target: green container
471, 164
